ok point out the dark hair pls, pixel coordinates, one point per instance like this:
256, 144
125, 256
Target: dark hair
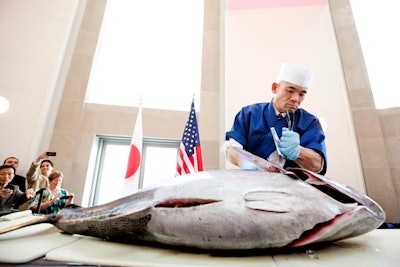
7, 167
10, 158
46, 160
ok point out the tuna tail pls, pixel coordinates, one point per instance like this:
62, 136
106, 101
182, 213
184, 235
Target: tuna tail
50, 218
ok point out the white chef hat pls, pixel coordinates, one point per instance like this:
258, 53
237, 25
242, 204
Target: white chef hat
295, 74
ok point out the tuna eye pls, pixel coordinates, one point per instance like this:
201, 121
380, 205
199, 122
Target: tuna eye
185, 202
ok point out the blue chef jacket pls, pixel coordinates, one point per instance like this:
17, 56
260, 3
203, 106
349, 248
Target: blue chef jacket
252, 124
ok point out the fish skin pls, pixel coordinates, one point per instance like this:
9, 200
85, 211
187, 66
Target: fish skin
225, 210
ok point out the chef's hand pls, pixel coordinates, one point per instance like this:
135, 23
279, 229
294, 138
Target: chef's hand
289, 144
247, 165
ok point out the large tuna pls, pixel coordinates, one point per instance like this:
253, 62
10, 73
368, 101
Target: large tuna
229, 210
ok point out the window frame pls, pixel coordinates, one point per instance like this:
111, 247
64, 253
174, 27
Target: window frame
101, 143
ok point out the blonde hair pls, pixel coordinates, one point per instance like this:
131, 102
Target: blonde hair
55, 175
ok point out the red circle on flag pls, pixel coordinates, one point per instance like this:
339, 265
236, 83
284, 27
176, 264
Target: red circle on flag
133, 162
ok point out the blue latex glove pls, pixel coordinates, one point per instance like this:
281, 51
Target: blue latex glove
247, 165
289, 144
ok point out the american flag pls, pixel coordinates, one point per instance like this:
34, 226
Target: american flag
189, 158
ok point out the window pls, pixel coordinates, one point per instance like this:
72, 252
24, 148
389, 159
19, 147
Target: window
377, 26
146, 49
158, 165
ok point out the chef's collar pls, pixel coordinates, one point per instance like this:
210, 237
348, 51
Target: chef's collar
283, 114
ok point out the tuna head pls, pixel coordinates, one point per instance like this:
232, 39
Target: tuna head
227, 209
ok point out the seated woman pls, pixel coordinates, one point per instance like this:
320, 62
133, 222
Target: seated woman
54, 197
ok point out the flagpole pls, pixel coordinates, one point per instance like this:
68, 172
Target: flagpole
194, 95
139, 174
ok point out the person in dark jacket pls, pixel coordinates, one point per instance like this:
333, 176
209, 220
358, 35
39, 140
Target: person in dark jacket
18, 179
10, 195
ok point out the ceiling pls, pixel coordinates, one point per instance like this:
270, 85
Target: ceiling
255, 4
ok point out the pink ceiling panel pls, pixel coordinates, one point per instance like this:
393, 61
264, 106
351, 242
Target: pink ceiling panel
254, 4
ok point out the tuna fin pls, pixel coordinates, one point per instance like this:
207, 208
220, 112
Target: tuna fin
35, 220
270, 201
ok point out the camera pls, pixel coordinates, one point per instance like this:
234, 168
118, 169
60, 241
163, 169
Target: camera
51, 153
9, 187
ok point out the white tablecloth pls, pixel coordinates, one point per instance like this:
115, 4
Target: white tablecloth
380, 247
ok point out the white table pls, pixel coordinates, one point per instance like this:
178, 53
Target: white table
380, 247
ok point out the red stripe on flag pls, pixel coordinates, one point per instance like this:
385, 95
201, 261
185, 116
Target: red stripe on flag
199, 158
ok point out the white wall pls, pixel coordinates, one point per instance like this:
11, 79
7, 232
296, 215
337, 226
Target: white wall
34, 39
34, 54
258, 41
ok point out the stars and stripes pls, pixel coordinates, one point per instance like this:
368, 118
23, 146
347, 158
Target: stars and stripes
189, 158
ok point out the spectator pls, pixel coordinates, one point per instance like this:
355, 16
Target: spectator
10, 195
54, 197
18, 179
39, 172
